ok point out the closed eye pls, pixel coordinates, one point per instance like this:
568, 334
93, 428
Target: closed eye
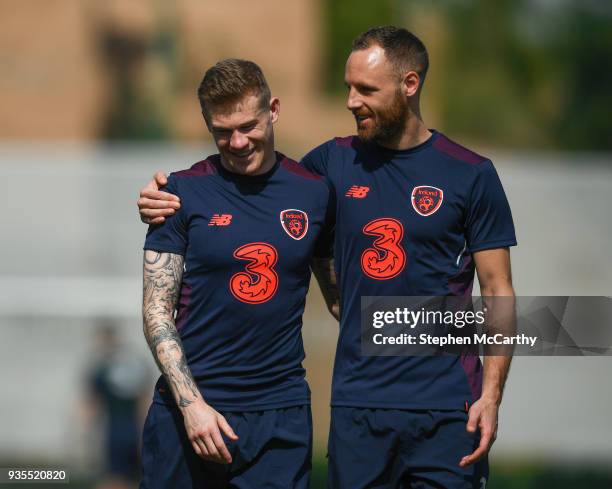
366, 88
248, 127
362, 88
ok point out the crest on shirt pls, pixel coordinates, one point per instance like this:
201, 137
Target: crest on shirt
294, 222
426, 199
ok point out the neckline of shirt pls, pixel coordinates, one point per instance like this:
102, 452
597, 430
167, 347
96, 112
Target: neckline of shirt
224, 172
410, 151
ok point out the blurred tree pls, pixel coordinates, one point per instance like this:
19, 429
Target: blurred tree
510, 73
343, 21
583, 51
491, 75
139, 50
530, 73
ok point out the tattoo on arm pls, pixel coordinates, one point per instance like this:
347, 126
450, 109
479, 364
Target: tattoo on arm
162, 275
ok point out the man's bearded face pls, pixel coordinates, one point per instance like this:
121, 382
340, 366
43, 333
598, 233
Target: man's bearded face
375, 96
383, 124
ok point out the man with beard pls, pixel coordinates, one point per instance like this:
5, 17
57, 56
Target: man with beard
416, 215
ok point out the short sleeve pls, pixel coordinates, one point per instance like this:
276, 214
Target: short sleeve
171, 236
317, 160
489, 220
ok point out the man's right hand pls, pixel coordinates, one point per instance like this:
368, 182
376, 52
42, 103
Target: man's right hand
204, 426
154, 205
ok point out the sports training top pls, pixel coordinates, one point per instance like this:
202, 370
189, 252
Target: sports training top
407, 223
247, 243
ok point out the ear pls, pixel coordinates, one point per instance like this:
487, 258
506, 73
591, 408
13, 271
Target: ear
274, 109
411, 83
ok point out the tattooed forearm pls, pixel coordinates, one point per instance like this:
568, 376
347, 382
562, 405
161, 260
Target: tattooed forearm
162, 275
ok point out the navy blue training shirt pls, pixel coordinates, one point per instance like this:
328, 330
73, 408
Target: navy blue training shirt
407, 223
247, 243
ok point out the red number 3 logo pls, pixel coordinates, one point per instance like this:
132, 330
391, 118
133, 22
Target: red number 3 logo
260, 282
387, 258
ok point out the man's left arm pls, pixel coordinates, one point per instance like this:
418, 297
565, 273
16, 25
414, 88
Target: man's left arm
494, 275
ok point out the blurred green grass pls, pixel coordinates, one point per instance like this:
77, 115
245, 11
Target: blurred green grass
513, 476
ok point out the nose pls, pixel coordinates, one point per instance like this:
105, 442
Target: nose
238, 141
353, 102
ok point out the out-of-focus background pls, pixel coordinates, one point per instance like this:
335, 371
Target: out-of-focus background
95, 96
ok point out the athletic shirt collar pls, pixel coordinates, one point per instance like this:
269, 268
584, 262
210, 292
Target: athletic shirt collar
399, 153
229, 175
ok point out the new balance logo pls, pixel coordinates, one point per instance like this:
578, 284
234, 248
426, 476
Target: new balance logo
357, 192
220, 220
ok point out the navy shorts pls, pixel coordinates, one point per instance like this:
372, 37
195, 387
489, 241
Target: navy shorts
274, 450
397, 449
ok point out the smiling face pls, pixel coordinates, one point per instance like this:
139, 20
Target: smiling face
244, 135
376, 96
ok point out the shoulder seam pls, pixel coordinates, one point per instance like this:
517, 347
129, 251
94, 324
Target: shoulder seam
298, 169
344, 142
201, 168
458, 152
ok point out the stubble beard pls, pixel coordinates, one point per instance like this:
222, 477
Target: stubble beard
390, 123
